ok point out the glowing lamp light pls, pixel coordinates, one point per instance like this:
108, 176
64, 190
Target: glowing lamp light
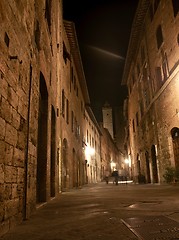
126, 161
89, 151
113, 165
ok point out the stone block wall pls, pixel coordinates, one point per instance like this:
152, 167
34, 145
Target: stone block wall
153, 89
25, 52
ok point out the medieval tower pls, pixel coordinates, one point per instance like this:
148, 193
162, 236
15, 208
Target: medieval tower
108, 118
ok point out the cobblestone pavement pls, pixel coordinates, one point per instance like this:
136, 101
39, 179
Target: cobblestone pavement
96, 212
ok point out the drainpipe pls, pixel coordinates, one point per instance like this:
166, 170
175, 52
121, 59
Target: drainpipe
27, 148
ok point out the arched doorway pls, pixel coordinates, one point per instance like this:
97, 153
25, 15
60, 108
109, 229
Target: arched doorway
175, 140
79, 171
42, 142
138, 165
64, 165
53, 151
154, 164
74, 170
147, 167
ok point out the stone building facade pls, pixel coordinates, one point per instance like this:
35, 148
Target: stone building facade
80, 136
30, 44
108, 121
92, 147
152, 75
43, 103
74, 97
111, 157
50, 140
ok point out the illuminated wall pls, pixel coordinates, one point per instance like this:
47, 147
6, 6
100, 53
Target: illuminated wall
151, 74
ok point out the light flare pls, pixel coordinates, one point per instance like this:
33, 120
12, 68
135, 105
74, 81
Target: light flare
110, 54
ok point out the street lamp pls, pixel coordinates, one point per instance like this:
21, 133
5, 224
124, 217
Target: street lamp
126, 161
89, 151
113, 165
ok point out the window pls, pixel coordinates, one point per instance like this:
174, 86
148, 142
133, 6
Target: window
90, 139
158, 75
159, 36
6, 39
156, 3
165, 67
63, 103
87, 136
92, 142
72, 121
78, 131
71, 78
81, 106
66, 55
175, 7
67, 111
137, 118
48, 12
133, 125
57, 112
74, 83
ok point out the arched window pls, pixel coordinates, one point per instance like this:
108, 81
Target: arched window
175, 138
175, 133
159, 36
48, 12
63, 103
175, 7
156, 3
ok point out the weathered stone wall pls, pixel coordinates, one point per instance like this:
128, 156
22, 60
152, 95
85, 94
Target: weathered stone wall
74, 126
158, 95
29, 40
16, 49
109, 152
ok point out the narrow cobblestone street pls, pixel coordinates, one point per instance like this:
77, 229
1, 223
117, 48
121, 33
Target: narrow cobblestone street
96, 212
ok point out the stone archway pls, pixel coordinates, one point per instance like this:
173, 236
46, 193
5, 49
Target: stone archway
147, 167
154, 164
42, 142
175, 140
138, 165
74, 170
53, 152
65, 173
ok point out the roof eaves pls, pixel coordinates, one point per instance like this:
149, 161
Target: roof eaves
75, 51
137, 26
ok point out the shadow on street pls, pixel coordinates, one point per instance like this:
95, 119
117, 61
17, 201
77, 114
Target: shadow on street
96, 212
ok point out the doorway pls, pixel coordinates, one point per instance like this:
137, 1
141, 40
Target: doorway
53, 151
147, 167
154, 164
42, 142
175, 140
64, 165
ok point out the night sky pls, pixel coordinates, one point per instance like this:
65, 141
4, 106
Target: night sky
103, 30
